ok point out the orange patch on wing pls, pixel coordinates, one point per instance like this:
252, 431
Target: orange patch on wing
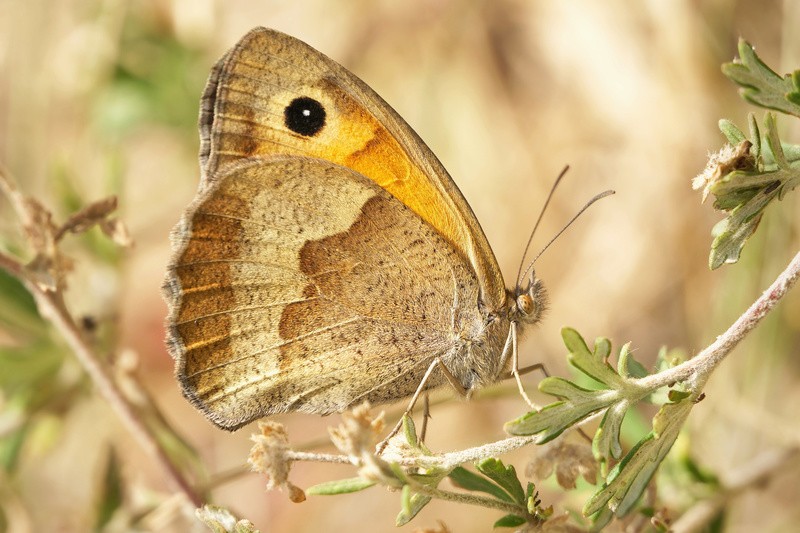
208, 292
381, 158
353, 138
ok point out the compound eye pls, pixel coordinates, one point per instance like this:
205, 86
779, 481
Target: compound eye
525, 304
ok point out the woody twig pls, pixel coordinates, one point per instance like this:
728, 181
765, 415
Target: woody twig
43, 277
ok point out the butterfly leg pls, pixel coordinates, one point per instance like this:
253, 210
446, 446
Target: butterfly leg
426, 415
437, 363
533, 368
511, 343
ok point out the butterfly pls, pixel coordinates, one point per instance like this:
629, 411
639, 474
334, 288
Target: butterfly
328, 257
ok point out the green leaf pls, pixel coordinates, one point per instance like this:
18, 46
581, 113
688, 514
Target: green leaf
730, 235
410, 431
733, 199
430, 477
411, 504
340, 486
606, 440
111, 495
627, 366
467, 480
580, 403
601, 519
669, 358
510, 520
700, 474
18, 312
12, 442
505, 476
760, 84
791, 151
755, 135
30, 369
740, 187
731, 132
151, 82
745, 185
774, 142
593, 364
675, 395
629, 478
532, 501
745, 195
556, 417
794, 95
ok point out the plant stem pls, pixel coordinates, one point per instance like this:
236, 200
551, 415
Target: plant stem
52, 307
701, 365
493, 449
754, 474
320, 457
11, 266
464, 497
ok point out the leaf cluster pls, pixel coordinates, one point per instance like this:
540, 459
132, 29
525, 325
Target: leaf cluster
619, 389
419, 486
755, 169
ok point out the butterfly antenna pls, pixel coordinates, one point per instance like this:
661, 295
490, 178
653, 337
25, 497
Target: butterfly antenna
568, 224
538, 220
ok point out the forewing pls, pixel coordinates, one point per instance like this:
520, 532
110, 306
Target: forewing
243, 115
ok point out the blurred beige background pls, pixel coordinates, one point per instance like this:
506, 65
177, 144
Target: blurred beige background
100, 97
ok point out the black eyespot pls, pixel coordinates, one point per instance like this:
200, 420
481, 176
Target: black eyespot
305, 116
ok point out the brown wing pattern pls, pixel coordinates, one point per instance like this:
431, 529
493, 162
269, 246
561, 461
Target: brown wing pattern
299, 284
243, 115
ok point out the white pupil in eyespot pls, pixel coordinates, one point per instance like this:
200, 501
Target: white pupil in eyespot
306, 112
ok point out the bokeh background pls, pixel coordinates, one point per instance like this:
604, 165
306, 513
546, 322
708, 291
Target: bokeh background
100, 97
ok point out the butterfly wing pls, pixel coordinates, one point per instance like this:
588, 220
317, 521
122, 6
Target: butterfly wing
244, 114
301, 285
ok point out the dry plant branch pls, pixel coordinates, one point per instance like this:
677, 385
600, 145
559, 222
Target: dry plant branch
52, 307
753, 475
697, 369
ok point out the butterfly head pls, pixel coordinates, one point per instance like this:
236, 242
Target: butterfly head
530, 301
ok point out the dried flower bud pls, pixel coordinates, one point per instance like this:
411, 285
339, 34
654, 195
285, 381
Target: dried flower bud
269, 455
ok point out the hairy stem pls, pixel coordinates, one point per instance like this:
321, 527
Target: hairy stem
493, 449
320, 457
701, 365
